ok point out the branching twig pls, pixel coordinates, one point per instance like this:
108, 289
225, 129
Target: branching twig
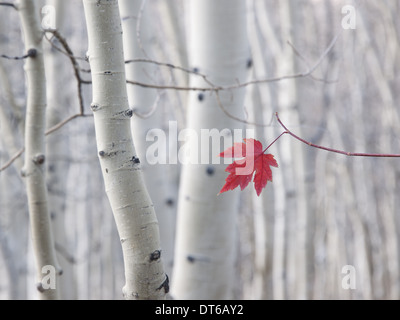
48, 131
346, 153
74, 63
171, 66
214, 88
81, 113
307, 64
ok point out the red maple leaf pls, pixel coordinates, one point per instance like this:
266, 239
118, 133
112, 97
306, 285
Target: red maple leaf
241, 171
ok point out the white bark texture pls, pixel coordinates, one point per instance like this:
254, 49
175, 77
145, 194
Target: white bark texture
133, 211
34, 167
205, 240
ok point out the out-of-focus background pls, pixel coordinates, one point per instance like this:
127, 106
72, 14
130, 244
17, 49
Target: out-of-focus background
327, 227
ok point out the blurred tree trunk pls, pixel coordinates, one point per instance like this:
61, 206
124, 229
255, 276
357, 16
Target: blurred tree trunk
290, 260
57, 151
205, 240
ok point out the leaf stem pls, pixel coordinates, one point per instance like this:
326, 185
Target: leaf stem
275, 140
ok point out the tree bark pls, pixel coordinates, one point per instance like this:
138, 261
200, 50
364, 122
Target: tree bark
205, 239
132, 208
34, 167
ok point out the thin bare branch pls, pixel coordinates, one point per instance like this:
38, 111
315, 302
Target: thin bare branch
346, 153
215, 88
150, 112
8, 4
65, 121
49, 131
12, 159
138, 27
171, 66
297, 52
30, 53
61, 50
74, 63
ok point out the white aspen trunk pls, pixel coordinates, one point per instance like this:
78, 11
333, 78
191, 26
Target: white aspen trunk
34, 167
132, 208
144, 100
205, 239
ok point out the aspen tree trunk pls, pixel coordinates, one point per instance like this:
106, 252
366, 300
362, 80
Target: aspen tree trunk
205, 240
132, 208
144, 101
34, 167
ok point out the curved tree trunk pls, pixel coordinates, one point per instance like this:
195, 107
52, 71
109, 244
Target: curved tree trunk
133, 211
34, 168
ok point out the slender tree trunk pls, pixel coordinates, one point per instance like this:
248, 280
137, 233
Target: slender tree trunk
205, 240
133, 211
34, 167
290, 251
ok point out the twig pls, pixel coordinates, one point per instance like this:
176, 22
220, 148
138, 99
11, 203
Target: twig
138, 27
13, 158
59, 49
150, 112
48, 131
214, 88
65, 121
346, 153
80, 81
307, 64
9, 4
171, 66
74, 63
30, 53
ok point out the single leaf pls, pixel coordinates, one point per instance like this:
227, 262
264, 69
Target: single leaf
242, 171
